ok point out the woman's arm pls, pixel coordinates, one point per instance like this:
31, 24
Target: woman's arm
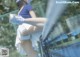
32, 13
35, 21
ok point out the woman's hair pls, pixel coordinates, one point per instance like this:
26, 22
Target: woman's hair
20, 3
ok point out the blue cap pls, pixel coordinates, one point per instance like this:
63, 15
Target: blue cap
17, 1
20, 0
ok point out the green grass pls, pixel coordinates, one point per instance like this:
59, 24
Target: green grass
14, 53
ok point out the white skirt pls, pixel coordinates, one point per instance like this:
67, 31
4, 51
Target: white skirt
34, 38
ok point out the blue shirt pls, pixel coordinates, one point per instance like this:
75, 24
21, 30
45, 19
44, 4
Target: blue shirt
25, 11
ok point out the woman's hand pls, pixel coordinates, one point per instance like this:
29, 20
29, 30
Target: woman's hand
14, 19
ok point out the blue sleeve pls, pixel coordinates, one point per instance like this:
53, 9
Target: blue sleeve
29, 7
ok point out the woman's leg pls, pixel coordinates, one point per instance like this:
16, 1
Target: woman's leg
27, 44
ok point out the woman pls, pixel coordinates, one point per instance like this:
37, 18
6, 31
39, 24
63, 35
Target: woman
28, 24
